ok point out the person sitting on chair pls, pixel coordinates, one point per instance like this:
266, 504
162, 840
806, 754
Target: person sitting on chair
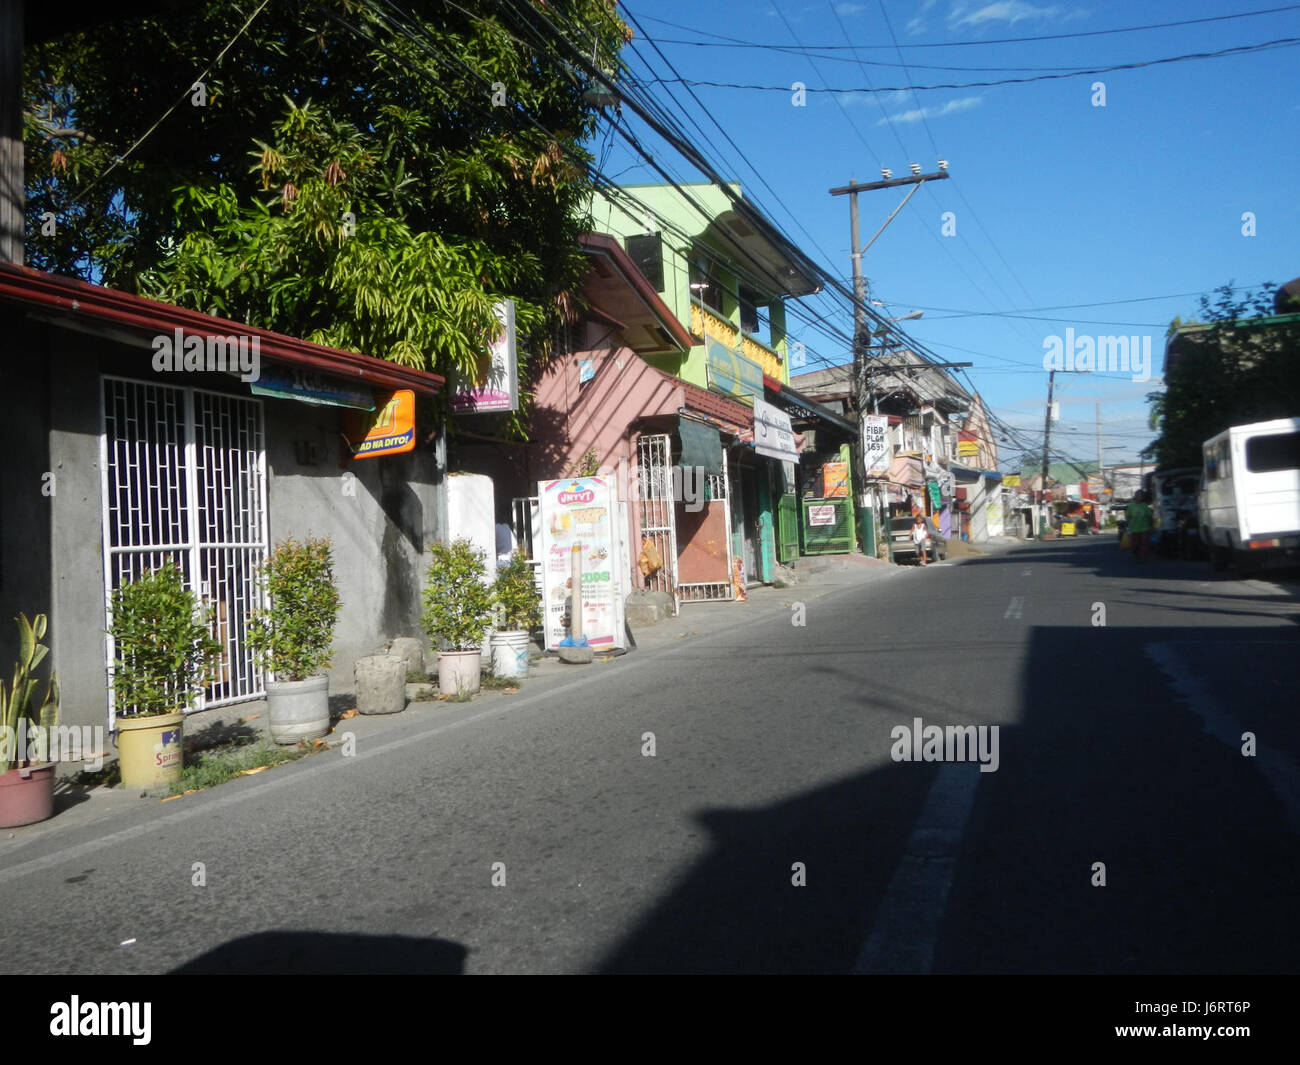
920, 534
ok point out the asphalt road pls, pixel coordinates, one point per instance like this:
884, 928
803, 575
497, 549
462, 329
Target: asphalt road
1117, 744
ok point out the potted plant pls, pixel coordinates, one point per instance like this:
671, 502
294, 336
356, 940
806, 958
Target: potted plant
27, 782
516, 599
293, 637
164, 655
457, 612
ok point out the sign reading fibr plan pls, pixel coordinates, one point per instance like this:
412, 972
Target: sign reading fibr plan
581, 511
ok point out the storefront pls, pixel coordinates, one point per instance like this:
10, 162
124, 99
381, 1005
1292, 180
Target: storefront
205, 467
814, 486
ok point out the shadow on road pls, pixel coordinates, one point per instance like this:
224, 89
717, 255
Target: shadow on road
325, 954
1106, 761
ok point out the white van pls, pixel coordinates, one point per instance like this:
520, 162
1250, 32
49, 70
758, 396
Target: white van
1249, 503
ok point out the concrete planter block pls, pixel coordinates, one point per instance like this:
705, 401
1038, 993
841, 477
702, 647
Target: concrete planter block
644, 608
577, 656
412, 650
381, 684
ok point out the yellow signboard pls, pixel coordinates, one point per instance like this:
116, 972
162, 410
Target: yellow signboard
1011, 480
389, 431
967, 448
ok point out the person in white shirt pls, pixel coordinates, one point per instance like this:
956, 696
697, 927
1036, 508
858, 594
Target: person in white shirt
919, 536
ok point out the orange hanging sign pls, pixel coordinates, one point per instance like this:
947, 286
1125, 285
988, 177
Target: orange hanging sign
389, 431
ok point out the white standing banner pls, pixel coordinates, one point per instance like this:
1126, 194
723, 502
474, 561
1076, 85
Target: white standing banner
581, 511
773, 433
875, 444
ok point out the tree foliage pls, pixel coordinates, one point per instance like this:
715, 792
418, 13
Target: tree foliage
1235, 371
164, 652
361, 175
293, 636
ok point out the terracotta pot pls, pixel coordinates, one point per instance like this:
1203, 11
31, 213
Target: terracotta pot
27, 795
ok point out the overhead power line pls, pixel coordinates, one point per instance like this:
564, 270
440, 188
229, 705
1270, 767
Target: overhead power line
1245, 49
735, 41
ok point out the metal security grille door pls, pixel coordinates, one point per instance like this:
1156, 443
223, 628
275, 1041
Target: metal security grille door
828, 526
229, 468
184, 479
717, 492
787, 528
655, 510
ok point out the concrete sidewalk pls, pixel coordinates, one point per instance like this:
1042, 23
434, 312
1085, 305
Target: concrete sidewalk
84, 811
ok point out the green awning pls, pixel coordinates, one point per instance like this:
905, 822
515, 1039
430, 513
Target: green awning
701, 445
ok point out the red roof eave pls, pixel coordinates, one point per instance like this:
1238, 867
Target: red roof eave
604, 243
80, 301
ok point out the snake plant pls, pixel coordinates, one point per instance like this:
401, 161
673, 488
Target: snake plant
19, 702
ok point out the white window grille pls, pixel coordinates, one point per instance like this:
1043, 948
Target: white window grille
184, 478
656, 510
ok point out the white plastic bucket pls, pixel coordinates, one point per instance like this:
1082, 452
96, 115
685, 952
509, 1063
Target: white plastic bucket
510, 654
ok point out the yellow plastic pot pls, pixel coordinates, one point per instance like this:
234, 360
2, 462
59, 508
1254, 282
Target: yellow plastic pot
150, 751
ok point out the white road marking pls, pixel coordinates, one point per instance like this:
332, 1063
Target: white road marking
1026, 573
906, 926
1016, 608
1280, 771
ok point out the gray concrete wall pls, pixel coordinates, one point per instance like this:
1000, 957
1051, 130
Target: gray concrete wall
76, 535
381, 522
25, 509
51, 548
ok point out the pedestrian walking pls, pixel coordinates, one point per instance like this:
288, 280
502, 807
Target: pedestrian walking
920, 534
1140, 519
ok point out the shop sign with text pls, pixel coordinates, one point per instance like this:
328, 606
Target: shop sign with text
390, 431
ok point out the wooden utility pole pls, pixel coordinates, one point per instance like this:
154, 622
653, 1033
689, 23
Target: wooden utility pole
1047, 438
11, 132
861, 336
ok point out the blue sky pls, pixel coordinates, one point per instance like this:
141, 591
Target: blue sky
1056, 201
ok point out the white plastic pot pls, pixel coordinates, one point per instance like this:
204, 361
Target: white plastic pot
510, 653
459, 671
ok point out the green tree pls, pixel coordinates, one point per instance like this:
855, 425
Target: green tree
360, 175
1239, 368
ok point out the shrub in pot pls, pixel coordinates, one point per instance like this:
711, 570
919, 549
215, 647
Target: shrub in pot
515, 595
457, 613
292, 638
26, 778
164, 655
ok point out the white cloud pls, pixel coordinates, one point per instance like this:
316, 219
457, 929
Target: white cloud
1008, 11
849, 9
915, 26
952, 107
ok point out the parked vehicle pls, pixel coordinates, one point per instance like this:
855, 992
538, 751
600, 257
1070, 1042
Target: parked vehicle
1174, 495
1249, 503
900, 533
1119, 511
